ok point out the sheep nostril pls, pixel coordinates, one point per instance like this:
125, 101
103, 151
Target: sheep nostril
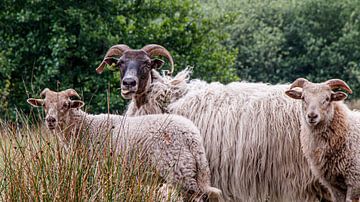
129, 82
51, 120
312, 116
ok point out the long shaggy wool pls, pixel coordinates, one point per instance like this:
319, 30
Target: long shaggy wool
250, 131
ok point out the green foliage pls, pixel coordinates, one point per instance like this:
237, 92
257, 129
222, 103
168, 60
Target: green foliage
59, 44
279, 40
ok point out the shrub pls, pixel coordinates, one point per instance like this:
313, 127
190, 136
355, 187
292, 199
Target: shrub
59, 44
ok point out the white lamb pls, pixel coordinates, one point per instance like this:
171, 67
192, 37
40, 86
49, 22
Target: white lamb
330, 136
172, 143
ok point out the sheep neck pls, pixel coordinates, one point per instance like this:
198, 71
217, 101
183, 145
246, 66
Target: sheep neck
140, 100
335, 129
160, 93
326, 144
162, 97
73, 124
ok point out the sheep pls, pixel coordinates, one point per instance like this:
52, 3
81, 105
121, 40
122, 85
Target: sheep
330, 135
250, 130
171, 142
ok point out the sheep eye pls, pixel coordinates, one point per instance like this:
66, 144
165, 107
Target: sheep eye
326, 100
120, 62
65, 105
147, 64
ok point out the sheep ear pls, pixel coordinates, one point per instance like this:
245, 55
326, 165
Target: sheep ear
294, 94
111, 60
157, 63
338, 96
36, 102
76, 104
108, 61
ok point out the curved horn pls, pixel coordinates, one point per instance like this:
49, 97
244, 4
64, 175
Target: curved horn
299, 83
338, 83
43, 93
114, 51
157, 50
71, 92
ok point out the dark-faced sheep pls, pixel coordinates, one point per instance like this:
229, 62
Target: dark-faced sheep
250, 130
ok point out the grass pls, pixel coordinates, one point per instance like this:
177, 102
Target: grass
35, 166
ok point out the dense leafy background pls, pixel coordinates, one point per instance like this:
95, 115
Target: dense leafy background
58, 44
280, 40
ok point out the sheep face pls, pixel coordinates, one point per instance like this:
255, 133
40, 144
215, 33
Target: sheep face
317, 102
56, 105
135, 68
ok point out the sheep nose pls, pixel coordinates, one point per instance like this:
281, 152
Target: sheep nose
312, 115
51, 119
129, 82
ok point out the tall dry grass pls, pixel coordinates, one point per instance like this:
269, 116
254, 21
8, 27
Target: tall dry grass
35, 166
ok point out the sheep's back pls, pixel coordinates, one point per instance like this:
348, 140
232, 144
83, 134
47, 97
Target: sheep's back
167, 129
173, 143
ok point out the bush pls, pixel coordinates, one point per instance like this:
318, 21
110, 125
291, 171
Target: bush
279, 41
59, 44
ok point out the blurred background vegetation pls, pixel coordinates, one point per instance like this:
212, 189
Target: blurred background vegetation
58, 44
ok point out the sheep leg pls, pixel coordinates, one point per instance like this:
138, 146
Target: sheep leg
178, 167
189, 184
185, 172
338, 195
349, 194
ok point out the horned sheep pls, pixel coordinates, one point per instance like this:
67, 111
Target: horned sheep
250, 130
172, 143
330, 136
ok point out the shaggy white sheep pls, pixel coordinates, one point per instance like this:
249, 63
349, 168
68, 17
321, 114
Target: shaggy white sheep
250, 134
250, 130
330, 136
172, 143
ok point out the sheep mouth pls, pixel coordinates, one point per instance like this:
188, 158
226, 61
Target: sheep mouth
127, 93
312, 122
51, 127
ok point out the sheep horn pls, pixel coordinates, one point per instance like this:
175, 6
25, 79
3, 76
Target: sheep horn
43, 93
72, 92
338, 83
157, 50
114, 51
299, 83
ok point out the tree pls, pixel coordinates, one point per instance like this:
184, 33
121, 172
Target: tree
59, 44
279, 41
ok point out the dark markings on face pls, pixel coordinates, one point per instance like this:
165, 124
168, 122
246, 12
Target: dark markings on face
135, 65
